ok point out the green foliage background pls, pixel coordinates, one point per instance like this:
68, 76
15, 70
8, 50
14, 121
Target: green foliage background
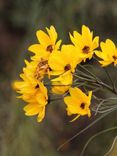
19, 20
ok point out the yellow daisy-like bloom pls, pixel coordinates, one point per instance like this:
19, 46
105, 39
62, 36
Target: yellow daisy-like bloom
78, 103
36, 96
62, 83
32, 91
64, 60
36, 69
47, 43
108, 53
84, 43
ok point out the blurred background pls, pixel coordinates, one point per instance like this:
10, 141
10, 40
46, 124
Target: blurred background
19, 20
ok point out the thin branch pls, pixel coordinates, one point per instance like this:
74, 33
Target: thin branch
97, 80
104, 131
83, 130
112, 146
107, 73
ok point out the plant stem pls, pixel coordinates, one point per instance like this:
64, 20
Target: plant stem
97, 80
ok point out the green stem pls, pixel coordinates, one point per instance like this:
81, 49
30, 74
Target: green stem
97, 80
88, 71
83, 130
104, 131
107, 86
107, 73
83, 78
106, 154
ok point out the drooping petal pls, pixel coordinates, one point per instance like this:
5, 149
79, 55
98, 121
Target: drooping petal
41, 114
31, 109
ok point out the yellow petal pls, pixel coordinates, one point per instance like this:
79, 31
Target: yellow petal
57, 46
52, 33
105, 63
43, 38
56, 62
78, 94
77, 39
89, 96
65, 78
75, 118
95, 43
59, 89
31, 109
35, 48
111, 44
86, 35
42, 101
41, 114
72, 104
62, 83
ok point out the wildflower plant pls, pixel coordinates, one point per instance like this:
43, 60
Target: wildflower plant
66, 70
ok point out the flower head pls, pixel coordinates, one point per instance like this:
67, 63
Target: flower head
36, 96
108, 53
78, 103
47, 43
38, 107
35, 70
84, 43
63, 61
32, 91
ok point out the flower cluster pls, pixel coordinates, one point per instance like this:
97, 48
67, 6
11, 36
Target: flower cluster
56, 64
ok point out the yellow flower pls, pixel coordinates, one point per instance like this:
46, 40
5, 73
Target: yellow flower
38, 107
63, 61
78, 103
35, 95
47, 43
108, 53
30, 72
35, 69
33, 109
32, 91
30, 82
84, 43
62, 83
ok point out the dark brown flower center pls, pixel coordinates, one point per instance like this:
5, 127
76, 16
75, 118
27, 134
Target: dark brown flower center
67, 67
86, 49
115, 57
82, 106
37, 86
49, 69
49, 48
